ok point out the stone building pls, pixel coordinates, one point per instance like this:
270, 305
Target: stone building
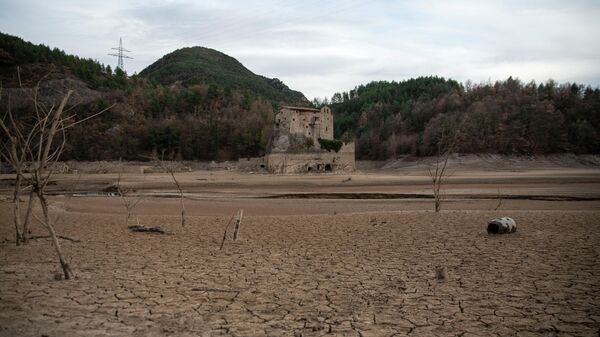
312, 123
296, 144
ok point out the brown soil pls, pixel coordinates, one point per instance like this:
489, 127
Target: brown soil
309, 267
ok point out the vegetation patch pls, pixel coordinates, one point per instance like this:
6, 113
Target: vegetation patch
330, 145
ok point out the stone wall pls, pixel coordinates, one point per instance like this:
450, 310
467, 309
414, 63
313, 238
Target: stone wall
311, 123
314, 162
251, 163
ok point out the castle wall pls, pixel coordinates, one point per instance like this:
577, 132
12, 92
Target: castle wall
251, 163
323, 161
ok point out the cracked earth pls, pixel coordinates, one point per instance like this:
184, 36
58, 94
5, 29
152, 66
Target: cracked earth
312, 267
364, 274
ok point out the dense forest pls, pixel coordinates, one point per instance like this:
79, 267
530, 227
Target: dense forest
199, 104
388, 119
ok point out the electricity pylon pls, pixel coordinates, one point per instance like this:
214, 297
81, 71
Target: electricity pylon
120, 54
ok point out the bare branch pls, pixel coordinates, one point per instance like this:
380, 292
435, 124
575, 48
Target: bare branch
225, 231
237, 224
85, 119
181, 197
58, 236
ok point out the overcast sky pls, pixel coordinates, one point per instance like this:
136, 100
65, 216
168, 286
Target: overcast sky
321, 47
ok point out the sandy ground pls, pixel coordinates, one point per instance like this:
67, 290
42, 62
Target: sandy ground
313, 266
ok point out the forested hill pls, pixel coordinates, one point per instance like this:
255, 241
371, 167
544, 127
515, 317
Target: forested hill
199, 104
203, 65
36, 61
200, 118
388, 119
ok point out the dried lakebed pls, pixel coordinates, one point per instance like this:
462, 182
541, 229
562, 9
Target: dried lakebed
359, 274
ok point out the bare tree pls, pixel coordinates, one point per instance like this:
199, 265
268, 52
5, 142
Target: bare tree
181, 197
437, 174
438, 171
129, 204
41, 143
170, 168
14, 154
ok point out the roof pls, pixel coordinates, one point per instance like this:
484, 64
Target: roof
299, 108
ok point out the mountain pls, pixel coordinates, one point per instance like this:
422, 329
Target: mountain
198, 65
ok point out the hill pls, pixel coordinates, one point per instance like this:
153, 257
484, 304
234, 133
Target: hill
417, 116
198, 65
200, 104
36, 61
213, 120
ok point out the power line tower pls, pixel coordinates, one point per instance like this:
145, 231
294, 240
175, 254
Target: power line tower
120, 54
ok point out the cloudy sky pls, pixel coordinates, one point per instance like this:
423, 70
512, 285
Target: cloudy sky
321, 47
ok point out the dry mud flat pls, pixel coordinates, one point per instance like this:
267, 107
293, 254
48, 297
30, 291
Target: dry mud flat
364, 274
310, 266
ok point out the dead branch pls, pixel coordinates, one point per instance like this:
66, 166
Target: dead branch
142, 228
225, 231
63, 237
500, 200
46, 222
180, 197
85, 119
237, 224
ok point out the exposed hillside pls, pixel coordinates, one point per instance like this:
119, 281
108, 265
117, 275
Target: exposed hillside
198, 65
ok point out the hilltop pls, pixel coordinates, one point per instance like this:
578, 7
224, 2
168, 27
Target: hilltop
198, 65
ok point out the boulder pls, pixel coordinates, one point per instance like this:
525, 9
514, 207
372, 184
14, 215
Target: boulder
503, 225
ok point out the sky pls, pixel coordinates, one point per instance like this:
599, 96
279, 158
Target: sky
322, 47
